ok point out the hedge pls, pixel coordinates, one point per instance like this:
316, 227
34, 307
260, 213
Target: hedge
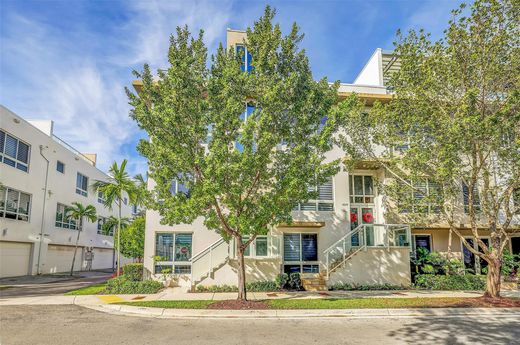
123, 285
451, 282
133, 272
365, 287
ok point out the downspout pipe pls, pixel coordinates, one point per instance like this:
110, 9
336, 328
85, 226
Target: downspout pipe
39, 271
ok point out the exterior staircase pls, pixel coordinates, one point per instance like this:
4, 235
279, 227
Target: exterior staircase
209, 260
314, 282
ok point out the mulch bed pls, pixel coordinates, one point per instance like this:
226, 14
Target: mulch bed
485, 302
239, 305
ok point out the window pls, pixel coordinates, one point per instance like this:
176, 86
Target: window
516, 200
179, 187
81, 184
14, 152
62, 221
125, 200
60, 167
300, 252
14, 204
424, 197
173, 248
100, 197
246, 58
476, 198
325, 201
361, 189
100, 222
257, 248
472, 262
422, 241
134, 209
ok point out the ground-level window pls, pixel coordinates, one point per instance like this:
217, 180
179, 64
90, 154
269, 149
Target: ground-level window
173, 252
422, 241
257, 248
14, 204
473, 263
62, 221
300, 253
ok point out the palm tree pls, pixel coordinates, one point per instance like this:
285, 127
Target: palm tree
79, 212
113, 189
112, 222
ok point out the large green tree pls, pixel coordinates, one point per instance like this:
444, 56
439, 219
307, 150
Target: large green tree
244, 175
453, 125
132, 235
80, 213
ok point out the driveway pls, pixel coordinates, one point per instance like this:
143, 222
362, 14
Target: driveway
73, 324
45, 285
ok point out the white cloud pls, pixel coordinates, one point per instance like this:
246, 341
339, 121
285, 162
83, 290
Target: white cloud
67, 78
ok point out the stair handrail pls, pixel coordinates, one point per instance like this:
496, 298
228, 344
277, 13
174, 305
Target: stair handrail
348, 234
207, 249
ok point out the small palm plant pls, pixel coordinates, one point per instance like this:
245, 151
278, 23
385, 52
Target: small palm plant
79, 212
113, 190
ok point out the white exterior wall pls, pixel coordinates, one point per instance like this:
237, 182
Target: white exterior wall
61, 189
372, 72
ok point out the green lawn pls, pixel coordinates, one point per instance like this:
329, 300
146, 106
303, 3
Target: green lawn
350, 303
88, 290
171, 304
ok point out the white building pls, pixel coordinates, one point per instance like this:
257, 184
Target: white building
41, 175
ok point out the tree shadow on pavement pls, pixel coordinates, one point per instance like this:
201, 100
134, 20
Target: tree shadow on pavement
485, 329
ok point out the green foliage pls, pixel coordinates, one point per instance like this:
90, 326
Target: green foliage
281, 280
123, 285
79, 212
192, 115
295, 282
132, 238
217, 288
454, 119
450, 282
510, 264
428, 269
133, 272
365, 287
260, 286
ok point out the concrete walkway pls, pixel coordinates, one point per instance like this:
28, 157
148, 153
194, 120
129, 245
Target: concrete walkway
177, 294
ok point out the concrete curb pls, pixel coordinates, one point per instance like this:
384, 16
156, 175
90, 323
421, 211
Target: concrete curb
166, 313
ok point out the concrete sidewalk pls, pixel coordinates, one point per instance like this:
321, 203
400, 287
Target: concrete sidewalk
177, 294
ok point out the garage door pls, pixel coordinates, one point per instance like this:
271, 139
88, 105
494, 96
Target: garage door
102, 258
59, 259
15, 259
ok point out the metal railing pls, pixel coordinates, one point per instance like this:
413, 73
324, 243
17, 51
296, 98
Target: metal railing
363, 236
206, 261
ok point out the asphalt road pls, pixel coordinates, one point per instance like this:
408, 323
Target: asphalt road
47, 285
77, 325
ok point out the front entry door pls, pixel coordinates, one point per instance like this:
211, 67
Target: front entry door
362, 215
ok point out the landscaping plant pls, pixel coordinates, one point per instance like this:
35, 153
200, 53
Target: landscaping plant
79, 212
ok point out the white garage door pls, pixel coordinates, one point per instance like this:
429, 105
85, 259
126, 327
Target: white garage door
14, 259
59, 259
102, 258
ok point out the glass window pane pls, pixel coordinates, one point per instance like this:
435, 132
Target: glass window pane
291, 247
12, 200
358, 185
60, 167
247, 251
183, 246
24, 204
309, 247
10, 146
311, 269
291, 269
164, 246
163, 269
309, 206
2, 139
325, 190
369, 185
23, 152
261, 246
3, 192
182, 269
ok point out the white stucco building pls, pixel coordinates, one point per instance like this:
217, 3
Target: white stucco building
41, 175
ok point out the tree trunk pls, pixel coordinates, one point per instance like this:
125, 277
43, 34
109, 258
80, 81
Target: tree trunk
241, 271
75, 249
119, 240
493, 278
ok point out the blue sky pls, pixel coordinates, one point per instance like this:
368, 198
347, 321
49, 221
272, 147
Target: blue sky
69, 60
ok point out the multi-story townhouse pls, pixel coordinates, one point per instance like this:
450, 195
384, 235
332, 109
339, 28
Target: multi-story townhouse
40, 175
341, 237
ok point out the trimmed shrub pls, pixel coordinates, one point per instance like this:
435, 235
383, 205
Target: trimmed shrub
294, 281
217, 288
281, 280
133, 272
453, 282
123, 285
262, 286
365, 287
